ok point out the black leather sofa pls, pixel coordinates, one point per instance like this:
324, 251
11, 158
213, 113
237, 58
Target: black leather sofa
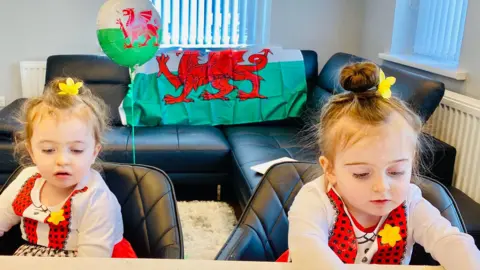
261, 233
260, 143
149, 209
198, 158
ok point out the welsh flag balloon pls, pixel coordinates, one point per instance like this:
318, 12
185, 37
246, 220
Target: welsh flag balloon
129, 31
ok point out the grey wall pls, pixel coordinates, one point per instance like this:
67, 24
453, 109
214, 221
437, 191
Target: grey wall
377, 37
33, 30
326, 26
377, 28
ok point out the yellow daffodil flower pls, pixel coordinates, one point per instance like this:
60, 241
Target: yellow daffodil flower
70, 87
384, 87
390, 235
56, 217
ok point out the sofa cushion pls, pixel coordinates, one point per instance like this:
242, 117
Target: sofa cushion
252, 145
181, 149
115, 147
9, 124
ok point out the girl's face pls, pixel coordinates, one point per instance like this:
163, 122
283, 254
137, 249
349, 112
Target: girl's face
63, 150
372, 176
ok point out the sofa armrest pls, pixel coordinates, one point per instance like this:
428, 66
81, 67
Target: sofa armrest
243, 240
440, 161
8, 118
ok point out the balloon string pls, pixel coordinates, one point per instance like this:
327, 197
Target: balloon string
132, 89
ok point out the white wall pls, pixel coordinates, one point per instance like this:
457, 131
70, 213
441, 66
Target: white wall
326, 26
377, 28
377, 37
33, 30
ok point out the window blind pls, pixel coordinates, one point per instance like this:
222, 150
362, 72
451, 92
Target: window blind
440, 29
213, 23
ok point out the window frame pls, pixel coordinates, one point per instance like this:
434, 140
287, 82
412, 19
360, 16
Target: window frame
404, 33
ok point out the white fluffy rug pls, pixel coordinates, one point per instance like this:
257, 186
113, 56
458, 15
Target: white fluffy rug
206, 226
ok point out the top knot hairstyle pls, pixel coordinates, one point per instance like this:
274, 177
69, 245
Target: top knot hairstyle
359, 77
60, 101
364, 107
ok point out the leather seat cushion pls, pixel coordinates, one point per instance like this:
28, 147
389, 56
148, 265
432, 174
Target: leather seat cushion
252, 145
149, 210
181, 149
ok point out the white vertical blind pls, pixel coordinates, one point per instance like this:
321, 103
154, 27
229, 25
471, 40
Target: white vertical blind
235, 22
461, 26
193, 22
185, 12
209, 22
201, 23
217, 22
175, 22
252, 23
243, 8
226, 20
214, 23
440, 28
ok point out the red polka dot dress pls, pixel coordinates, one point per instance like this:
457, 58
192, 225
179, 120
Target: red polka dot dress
323, 232
355, 244
88, 223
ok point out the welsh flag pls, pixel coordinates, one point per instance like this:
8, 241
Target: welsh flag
222, 87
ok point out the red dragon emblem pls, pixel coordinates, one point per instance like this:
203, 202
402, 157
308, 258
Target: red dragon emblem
221, 67
137, 27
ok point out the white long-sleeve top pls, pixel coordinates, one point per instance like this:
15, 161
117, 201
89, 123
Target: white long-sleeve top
88, 222
323, 233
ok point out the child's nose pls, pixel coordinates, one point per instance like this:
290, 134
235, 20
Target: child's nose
62, 159
381, 184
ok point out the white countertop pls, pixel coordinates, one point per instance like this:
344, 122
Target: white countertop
16, 263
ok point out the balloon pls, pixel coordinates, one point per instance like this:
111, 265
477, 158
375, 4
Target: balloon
129, 31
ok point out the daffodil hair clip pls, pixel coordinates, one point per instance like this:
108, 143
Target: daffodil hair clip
70, 87
385, 85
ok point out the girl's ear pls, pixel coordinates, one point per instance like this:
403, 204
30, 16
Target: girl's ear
28, 146
96, 151
327, 167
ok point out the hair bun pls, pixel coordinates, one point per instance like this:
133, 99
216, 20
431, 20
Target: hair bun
359, 77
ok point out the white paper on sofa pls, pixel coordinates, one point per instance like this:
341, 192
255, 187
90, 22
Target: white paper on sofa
263, 167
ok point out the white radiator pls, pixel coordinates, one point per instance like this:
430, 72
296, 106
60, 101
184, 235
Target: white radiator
457, 122
32, 74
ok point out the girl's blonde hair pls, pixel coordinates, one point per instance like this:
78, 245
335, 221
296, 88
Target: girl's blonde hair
84, 105
366, 107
